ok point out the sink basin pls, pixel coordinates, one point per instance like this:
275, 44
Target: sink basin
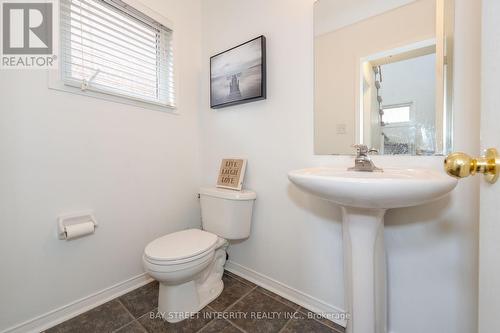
392, 188
364, 198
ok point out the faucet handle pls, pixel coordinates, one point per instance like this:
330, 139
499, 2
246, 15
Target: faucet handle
361, 149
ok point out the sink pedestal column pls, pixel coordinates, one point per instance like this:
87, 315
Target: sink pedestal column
364, 270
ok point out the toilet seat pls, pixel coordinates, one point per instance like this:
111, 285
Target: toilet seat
180, 247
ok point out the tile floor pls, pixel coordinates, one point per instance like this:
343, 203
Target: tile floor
135, 312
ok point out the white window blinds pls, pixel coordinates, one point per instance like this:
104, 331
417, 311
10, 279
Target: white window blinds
109, 47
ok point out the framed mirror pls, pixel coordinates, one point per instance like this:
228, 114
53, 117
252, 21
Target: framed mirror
383, 76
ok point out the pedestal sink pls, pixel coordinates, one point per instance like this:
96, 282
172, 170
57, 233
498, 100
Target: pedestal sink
364, 198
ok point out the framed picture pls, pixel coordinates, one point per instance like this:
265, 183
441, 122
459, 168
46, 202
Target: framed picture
238, 75
231, 173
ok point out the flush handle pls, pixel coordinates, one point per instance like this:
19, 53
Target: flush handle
461, 165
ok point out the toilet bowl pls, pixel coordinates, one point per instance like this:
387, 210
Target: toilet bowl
189, 264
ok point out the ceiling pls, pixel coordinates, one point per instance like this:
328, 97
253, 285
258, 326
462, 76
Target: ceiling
330, 15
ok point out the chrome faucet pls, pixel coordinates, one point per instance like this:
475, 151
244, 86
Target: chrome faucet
363, 162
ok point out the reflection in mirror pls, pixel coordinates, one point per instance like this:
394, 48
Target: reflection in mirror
383, 76
399, 100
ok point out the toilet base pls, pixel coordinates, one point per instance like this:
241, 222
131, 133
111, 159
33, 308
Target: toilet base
186, 299
179, 302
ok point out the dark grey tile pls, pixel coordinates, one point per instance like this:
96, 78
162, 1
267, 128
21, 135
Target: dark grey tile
220, 326
260, 310
261, 313
133, 327
325, 321
302, 324
104, 318
141, 300
155, 324
278, 298
233, 290
240, 279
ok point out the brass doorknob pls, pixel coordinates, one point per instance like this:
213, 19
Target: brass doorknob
461, 165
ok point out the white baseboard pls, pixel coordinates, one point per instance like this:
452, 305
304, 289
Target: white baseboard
309, 302
57, 316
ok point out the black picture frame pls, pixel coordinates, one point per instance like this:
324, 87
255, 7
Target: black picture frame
220, 97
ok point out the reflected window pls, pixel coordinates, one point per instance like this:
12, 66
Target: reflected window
396, 114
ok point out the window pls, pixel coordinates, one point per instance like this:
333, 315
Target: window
396, 114
109, 47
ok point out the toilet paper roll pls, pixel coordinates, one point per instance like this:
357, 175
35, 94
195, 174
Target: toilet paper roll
78, 230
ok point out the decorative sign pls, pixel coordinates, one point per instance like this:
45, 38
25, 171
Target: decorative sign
231, 173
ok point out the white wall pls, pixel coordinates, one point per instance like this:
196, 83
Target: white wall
60, 152
296, 239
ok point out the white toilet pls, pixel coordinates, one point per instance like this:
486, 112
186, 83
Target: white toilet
189, 264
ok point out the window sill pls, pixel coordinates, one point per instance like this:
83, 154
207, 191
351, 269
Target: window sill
400, 124
56, 83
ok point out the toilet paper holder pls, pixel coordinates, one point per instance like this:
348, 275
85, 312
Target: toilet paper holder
71, 219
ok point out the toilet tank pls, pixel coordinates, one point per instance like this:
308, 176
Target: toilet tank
227, 213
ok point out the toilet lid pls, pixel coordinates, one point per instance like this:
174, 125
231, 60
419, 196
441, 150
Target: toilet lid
180, 245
